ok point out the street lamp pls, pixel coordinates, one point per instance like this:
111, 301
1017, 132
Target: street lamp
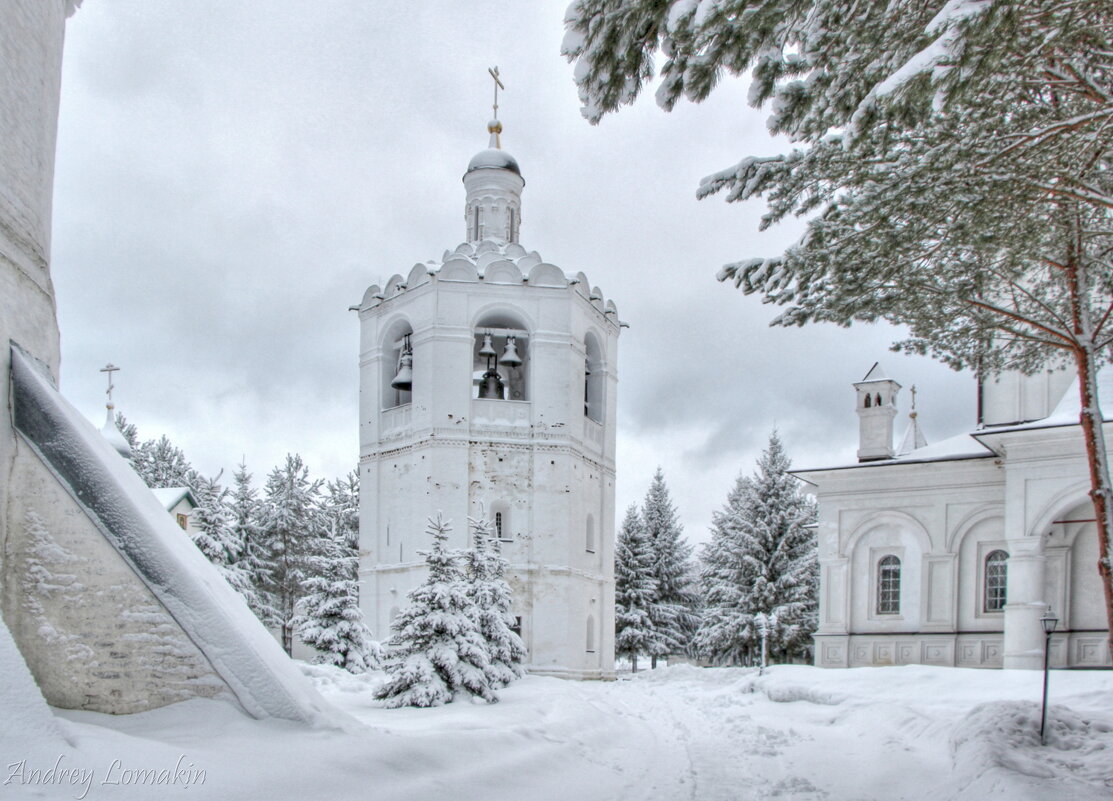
1049, 622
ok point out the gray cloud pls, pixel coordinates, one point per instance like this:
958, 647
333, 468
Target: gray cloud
230, 179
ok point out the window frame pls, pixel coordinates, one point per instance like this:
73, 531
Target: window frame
888, 584
996, 570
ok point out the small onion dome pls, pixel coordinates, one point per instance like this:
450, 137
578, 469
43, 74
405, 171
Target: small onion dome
494, 159
111, 433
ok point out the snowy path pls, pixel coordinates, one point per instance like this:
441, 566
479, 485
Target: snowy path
677, 734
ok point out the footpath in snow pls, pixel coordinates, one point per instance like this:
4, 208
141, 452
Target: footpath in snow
797, 733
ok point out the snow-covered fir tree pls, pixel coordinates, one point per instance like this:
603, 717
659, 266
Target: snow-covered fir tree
674, 599
761, 564
216, 536
291, 529
436, 651
635, 590
956, 160
161, 463
341, 505
245, 510
128, 430
491, 602
329, 618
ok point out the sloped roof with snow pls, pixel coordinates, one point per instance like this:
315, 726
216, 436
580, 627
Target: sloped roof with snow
170, 496
213, 615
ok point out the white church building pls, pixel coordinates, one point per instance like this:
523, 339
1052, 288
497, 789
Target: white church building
950, 553
488, 389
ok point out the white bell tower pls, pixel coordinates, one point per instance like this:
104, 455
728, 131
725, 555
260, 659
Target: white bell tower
488, 387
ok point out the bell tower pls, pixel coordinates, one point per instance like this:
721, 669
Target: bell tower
877, 409
488, 388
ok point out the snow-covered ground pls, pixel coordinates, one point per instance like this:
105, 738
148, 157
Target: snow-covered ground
797, 733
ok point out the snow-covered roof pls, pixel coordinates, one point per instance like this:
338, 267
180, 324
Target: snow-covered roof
170, 496
493, 159
876, 373
492, 262
213, 615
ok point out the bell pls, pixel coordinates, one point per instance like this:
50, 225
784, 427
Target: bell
405, 378
510, 355
488, 349
491, 385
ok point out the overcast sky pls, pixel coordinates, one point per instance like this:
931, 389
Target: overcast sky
231, 176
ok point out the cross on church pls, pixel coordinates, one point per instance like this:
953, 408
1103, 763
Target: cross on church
109, 368
494, 72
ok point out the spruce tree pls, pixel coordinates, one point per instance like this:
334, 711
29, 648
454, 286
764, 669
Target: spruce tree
635, 590
215, 535
329, 618
245, 510
161, 464
955, 160
761, 564
674, 600
490, 597
436, 651
291, 529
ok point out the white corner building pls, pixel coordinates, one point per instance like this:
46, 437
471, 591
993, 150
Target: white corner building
950, 553
488, 388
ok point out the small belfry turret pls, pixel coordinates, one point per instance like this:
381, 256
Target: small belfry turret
876, 407
494, 183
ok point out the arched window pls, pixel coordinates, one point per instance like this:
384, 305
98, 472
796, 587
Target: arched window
877, 400
593, 379
888, 586
398, 364
500, 359
590, 634
590, 545
996, 579
869, 401
498, 525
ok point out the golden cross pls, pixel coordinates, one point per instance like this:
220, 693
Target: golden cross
494, 72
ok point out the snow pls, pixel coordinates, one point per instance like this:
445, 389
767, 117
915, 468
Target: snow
169, 496
712, 734
133, 520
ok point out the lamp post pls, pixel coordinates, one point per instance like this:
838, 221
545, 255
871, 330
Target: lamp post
1049, 622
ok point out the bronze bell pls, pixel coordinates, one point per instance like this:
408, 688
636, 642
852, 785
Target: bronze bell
405, 378
491, 385
488, 349
510, 355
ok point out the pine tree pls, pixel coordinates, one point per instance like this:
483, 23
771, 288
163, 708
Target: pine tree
245, 510
436, 652
128, 430
673, 603
216, 537
291, 528
161, 464
342, 508
329, 618
635, 590
761, 565
490, 597
956, 159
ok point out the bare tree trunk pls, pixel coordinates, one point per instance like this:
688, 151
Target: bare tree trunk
634, 663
